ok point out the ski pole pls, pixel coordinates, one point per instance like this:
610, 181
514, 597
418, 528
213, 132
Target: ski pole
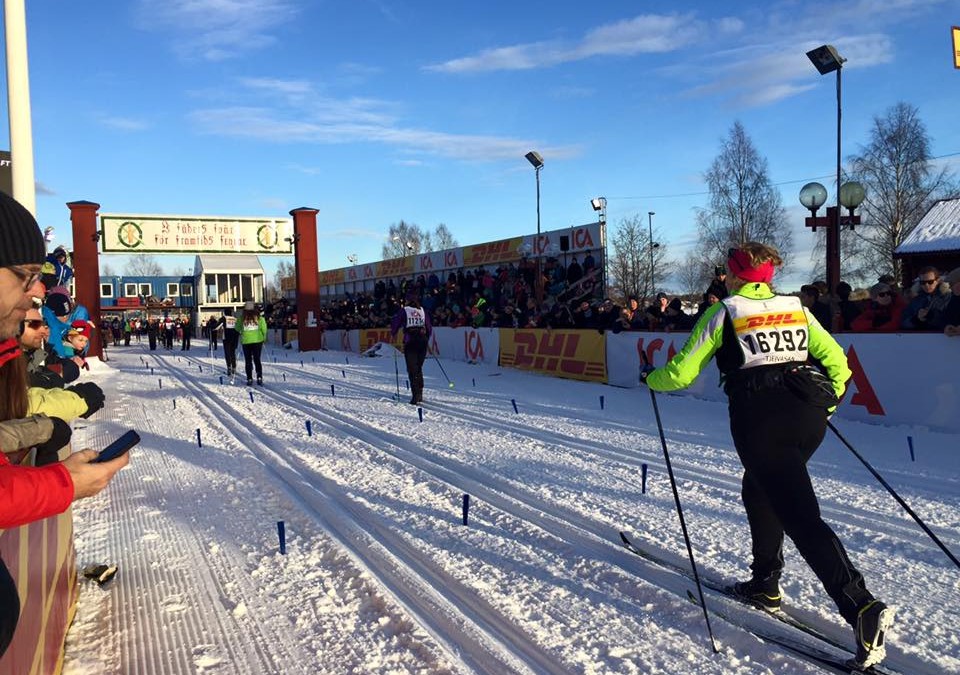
449, 381
396, 369
683, 523
893, 492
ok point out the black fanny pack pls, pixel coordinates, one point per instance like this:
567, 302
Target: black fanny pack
809, 384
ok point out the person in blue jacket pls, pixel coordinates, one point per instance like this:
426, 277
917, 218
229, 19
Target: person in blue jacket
415, 322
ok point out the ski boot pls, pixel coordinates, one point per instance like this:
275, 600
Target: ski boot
873, 621
761, 593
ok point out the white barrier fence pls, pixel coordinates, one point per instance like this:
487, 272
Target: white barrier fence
899, 378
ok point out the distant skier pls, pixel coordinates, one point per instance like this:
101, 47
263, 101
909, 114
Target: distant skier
778, 417
415, 322
227, 324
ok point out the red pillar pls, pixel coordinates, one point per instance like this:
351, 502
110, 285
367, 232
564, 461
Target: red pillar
86, 261
307, 265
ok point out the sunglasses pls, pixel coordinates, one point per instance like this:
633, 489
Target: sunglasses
884, 294
28, 277
928, 282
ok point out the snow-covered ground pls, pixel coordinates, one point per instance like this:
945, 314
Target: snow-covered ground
380, 574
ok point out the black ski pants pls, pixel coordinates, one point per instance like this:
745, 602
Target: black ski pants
775, 434
251, 359
415, 353
230, 351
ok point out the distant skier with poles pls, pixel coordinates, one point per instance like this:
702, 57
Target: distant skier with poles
779, 405
227, 324
415, 322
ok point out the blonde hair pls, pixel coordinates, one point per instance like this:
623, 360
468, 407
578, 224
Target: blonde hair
761, 253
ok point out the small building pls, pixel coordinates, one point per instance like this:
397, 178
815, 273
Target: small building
141, 296
226, 281
934, 241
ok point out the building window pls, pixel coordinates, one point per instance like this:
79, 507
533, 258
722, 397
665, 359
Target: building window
145, 290
173, 290
130, 290
106, 290
186, 290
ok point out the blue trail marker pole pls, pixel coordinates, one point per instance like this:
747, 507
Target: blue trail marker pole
643, 478
601, 401
282, 536
174, 404
200, 366
301, 363
910, 443
151, 370
309, 428
343, 372
514, 402
420, 413
332, 391
251, 396
466, 508
284, 376
199, 444
160, 382
474, 382
221, 379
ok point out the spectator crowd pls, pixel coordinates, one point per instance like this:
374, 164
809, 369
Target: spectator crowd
505, 298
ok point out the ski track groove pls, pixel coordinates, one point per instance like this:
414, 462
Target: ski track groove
531, 507
901, 524
581, 533
511, 649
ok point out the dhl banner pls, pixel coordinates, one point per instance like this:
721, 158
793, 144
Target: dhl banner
368, 337
575, 354
877, 392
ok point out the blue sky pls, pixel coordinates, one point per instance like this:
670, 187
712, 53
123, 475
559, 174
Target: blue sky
374, 111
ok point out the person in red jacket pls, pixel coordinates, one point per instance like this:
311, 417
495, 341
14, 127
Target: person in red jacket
882, 314
30, 493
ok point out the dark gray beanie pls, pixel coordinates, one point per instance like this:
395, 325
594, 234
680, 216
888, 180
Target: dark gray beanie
21, 242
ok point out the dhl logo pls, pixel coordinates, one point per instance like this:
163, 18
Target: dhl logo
771, 320
555, 352
331, 277
395, 267
372, 336
494, 252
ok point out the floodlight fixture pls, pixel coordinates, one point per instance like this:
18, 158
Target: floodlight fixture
535, 159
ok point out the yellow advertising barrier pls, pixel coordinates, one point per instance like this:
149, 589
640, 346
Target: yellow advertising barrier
41, 559
574, 354
371, 336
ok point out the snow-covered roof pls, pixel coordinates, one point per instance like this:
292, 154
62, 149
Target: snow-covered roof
938, 230
236, 263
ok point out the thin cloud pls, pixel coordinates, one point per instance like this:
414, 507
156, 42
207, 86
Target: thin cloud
645, 34
216, 30
302, 115
123, 123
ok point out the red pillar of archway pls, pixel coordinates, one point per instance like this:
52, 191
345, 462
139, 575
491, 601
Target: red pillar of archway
86, 261
307, 266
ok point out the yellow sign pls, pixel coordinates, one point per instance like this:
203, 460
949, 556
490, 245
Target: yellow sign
956, 46
574, 354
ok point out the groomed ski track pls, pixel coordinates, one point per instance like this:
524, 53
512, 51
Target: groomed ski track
456, 623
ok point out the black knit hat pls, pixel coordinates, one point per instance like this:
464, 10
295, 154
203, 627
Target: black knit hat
21, 242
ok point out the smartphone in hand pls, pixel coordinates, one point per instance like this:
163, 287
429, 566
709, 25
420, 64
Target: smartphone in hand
119, 446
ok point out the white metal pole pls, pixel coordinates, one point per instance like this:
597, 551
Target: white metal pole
18, 104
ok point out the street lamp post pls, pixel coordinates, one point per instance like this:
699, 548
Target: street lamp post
850, 195
653, 290
537, 161
826, 60
600, 204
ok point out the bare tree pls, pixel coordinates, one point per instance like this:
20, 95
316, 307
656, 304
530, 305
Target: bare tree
694, 275
142, 264
405, 238
274, 288
744, 205
443, 239
629, 264
896, 171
